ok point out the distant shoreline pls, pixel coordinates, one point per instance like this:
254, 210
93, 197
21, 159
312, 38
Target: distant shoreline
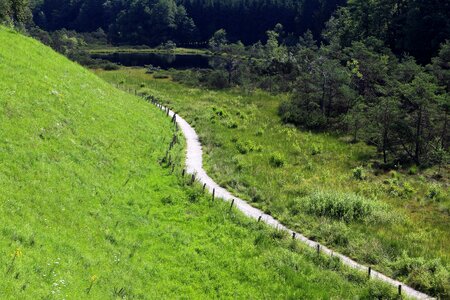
130, 49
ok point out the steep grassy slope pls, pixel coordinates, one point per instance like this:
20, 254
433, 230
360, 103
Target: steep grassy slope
86, 210
396, 222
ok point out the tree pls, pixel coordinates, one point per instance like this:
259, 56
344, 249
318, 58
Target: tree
419, 117
380, 129
218, 40
15, 12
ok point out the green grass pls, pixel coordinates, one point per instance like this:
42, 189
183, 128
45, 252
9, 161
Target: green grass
87, 210
285, 171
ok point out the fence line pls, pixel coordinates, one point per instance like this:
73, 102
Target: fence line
194, 166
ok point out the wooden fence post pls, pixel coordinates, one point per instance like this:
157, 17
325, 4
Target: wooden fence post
231, 206
400, 290
213, 194
192, 178
182, 172
318, 248
293, 235
259, 218
204, 186
369, 272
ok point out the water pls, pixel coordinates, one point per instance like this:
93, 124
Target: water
164, 61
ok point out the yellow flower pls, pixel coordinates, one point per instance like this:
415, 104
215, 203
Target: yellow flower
17, 253
94, 278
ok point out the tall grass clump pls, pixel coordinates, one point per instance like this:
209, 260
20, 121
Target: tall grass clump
346, 207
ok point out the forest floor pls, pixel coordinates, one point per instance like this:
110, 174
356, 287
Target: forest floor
285, 171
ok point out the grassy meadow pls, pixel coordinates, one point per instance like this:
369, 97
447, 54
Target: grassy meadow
89, 210
319, 184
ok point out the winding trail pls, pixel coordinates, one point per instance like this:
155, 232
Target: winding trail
194, 165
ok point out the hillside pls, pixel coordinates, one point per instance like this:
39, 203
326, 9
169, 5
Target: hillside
86, 210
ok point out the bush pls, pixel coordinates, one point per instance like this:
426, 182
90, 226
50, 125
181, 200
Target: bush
167, 200
359, 173
160, 76
379, 290
144, 92
232, 124
217, 80
340, 206
276, 160
316, 149
435, 193
334, 233
245, 147
194, 195
413, 170
303, 115
110, 66
429, 276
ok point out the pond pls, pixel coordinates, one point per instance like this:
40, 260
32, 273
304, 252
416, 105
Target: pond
164, 61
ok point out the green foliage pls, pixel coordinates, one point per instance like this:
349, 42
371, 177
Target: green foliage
15, 12
245, 147
429, 276
169, 45
359, 173
316, 149
373, 240
403, 27
218, 40
435, 193
160, 76
379, 291
364, 90
87, 211
277, 160
167, 200
346, 207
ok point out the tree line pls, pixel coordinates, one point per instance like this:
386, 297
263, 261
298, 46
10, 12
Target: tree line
362, 89
414, 27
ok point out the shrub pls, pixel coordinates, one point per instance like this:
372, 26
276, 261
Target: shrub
340, 206
435, 193
144, 92
232, 124
302, 114
221, 113
359, 173
255, 195
167, 200
110, 66
245, 147
316, 149
160, 76
335, 233
379, 290
399, 188
217, 80
194, 195
431, 276
413, 170
276, 160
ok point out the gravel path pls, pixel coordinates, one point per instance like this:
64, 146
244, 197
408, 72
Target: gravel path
194, 165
